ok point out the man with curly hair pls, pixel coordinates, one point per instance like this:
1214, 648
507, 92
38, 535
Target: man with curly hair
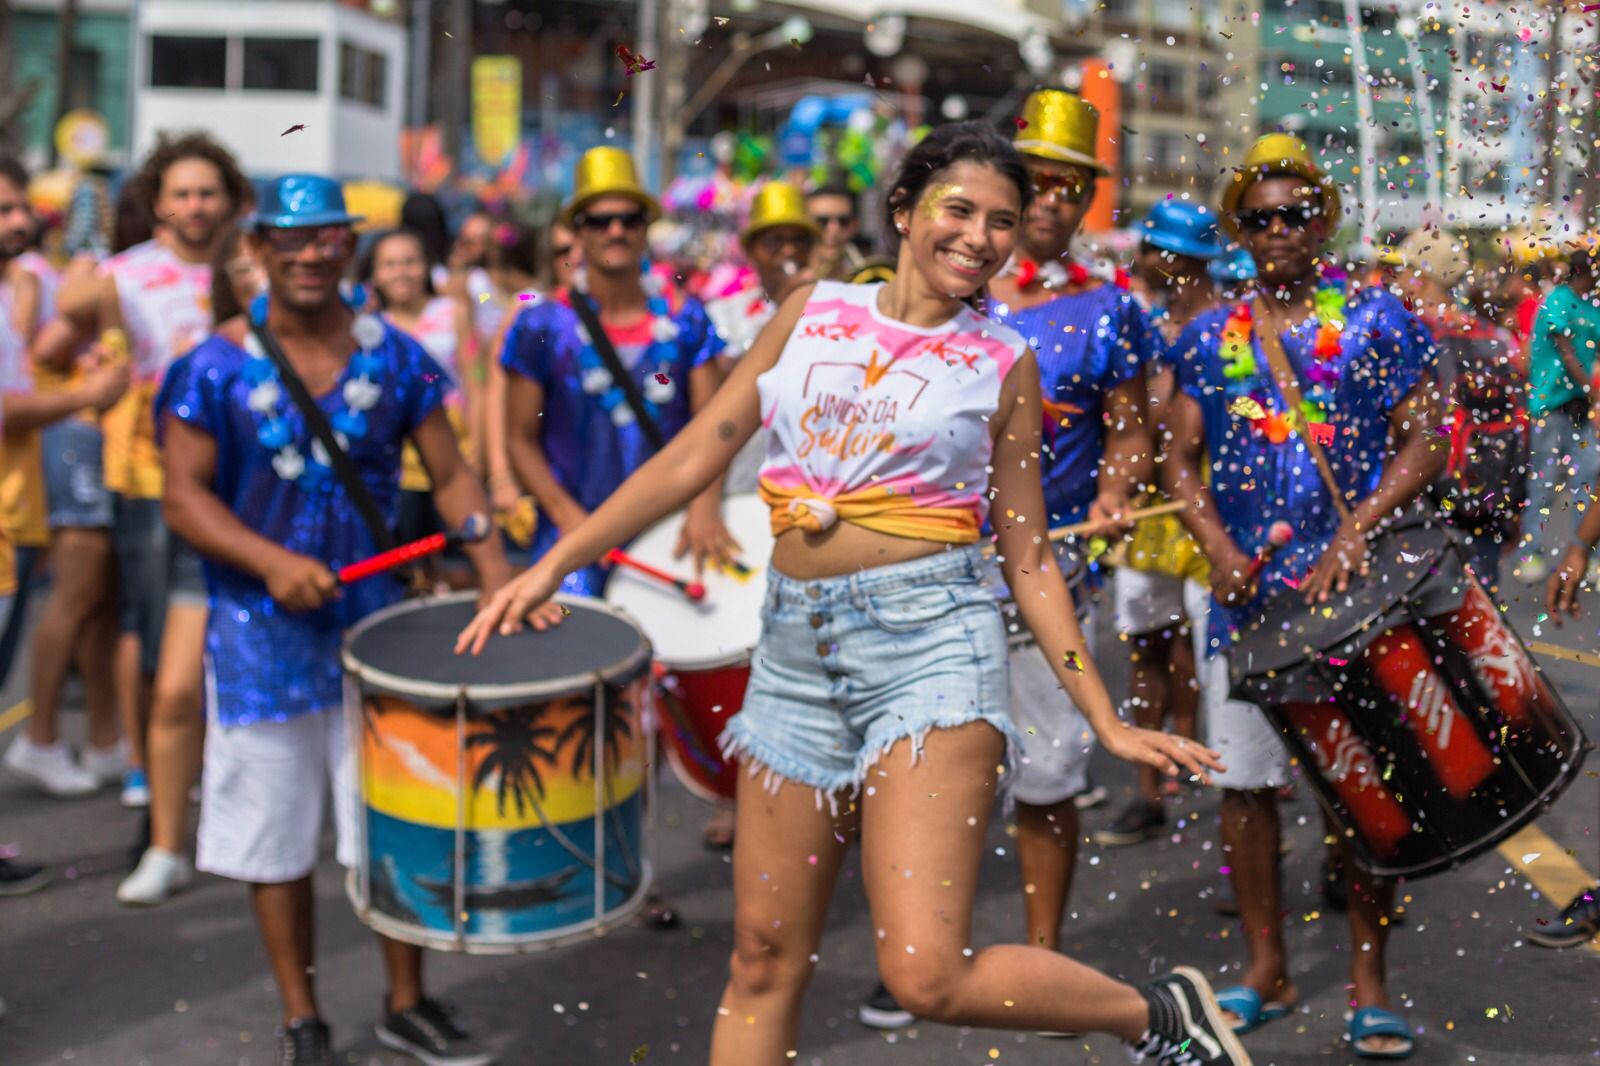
149, 304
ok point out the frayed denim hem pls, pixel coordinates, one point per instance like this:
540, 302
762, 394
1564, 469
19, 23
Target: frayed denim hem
776, 767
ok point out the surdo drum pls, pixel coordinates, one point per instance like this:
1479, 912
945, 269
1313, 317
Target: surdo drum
1426, 728
502, 798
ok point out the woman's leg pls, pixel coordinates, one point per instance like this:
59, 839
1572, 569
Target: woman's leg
81, 577
922, 839
176, 725
786, 855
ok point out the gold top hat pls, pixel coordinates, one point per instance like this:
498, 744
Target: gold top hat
1060, 126
1280, 153
607, 171
777, 203
1439, 254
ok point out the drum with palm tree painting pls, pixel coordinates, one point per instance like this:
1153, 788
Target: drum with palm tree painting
503, 798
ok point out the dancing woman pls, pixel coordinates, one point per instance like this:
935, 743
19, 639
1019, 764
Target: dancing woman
877, 701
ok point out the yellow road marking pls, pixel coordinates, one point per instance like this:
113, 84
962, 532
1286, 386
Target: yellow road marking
16, 715
1557, 875
1583, 658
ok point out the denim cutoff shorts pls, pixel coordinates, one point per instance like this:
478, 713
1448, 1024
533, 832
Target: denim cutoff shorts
849, 665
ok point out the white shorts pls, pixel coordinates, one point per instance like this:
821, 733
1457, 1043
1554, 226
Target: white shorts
263, 794
1146, 602
1252, 751
1056, 738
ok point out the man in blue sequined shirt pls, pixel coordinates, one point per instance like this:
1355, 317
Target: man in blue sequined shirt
1379, 402
249, 487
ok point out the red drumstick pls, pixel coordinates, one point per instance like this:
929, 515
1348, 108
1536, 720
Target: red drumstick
694, 590
1280, 534
472, 531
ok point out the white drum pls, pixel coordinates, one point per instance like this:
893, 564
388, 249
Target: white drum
702, 649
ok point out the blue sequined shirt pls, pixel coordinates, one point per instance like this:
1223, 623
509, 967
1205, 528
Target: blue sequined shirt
1385, 351
1087, 344
588, 451
266, 663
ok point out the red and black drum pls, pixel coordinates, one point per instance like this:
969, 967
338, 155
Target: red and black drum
1429, 732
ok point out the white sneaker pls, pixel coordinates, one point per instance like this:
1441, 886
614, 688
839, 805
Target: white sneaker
106, 764
159, 875
49, 766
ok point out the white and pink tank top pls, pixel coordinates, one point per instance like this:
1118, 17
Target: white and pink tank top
166, 304
881, 423
436, 332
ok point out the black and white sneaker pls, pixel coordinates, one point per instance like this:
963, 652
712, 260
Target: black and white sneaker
427, 1033
306, 1043
882, 1011
1577, 924
20, 878
1138, 822
1186, 1026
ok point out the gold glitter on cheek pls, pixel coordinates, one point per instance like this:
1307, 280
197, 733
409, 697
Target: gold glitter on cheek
933, 200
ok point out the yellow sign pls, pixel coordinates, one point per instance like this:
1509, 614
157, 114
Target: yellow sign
82, 138
496, 107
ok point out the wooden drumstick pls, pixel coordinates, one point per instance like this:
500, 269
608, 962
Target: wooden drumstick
1063, 532
694, 590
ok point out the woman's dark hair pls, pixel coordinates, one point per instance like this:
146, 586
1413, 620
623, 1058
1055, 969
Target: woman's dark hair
369, 259
517, 246
130, 222
423, 215
224, 301
945, 146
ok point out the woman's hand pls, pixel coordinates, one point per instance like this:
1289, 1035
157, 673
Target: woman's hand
1561, 590
1346, 555
1167, 753
524, 599
704, 536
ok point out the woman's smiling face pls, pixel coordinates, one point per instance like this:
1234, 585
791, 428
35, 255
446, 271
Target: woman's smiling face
962, 229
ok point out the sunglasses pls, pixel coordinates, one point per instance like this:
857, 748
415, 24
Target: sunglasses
777, 241
331, 241
630, 220
1071, 188
824, 221
1293, 216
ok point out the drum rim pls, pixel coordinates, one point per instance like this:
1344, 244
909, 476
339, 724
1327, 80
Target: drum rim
629, 668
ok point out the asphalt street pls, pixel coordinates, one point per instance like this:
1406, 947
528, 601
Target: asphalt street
90, 982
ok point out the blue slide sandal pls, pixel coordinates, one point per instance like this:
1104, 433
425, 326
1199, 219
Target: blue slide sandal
1369, 1022
1252, 1010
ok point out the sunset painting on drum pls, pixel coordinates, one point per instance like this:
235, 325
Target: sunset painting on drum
531, 806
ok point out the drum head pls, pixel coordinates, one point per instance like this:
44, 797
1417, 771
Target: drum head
1290, 634
721, 629
409, 650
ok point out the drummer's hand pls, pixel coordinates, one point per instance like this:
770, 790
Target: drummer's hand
1561, 590
1230, 579
1346, 555
504, 492
526, 599
300, 583
704, 536
1169, 754
1106, 513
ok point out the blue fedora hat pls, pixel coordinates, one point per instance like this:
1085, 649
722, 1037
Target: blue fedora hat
1182, 229
1231, 266
298, 200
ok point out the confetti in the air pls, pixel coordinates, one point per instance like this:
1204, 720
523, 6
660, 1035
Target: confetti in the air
1070, 659
636, 64
296, 128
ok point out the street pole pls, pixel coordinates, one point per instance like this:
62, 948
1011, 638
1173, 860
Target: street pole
644, 97
1364, 123
453, 99
421, 74
1431, 153
66, 33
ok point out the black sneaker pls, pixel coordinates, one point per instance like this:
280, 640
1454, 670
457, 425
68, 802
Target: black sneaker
1186, 1026
306, 1043
1578, 924
883, 1011
1138, 822
427, 1033
20, 878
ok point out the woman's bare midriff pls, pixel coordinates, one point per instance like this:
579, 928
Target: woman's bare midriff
844, 549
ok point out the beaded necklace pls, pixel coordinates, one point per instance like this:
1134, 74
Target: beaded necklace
659, 388
267, 401
1248, 391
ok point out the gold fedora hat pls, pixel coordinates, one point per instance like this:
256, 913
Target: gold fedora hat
607, 171
777, 203
1060, 126
1439, 254
1280, 153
